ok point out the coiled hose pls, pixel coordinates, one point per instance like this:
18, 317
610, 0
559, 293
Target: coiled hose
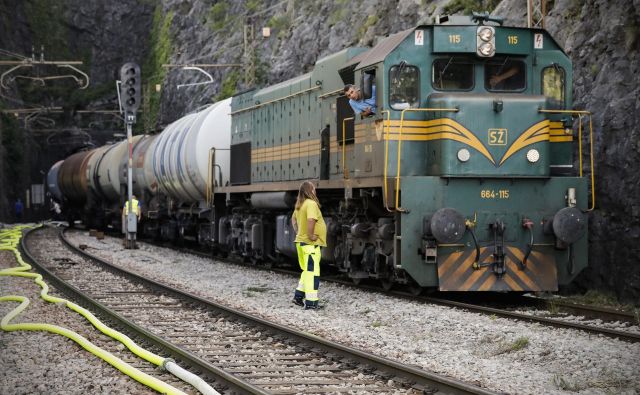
9, 240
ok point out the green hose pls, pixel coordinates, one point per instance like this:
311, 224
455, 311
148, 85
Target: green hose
8, 242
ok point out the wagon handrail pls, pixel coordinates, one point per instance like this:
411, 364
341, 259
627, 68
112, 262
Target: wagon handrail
580, 114
385, 187
345, 169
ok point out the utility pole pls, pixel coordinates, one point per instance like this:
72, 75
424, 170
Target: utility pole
130, 95
249, 54
536, 11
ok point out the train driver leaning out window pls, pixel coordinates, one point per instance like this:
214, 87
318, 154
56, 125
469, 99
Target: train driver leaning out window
360, 105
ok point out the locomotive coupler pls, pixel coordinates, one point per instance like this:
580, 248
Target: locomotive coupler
498, 227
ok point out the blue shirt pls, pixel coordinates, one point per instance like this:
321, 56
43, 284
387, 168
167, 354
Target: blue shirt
361, 105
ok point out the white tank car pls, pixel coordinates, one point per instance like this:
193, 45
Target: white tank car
143, 178
181, 154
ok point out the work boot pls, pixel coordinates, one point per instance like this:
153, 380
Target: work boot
313, 306
298, 301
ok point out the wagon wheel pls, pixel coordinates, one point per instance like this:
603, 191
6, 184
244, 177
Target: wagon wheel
356, 281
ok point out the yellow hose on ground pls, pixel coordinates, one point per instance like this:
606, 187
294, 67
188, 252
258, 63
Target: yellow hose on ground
8, 242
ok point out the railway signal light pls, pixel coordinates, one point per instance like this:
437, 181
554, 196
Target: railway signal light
130, 90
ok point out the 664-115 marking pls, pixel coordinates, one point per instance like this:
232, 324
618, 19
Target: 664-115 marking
494, 194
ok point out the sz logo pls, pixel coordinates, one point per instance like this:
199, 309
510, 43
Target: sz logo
497, 136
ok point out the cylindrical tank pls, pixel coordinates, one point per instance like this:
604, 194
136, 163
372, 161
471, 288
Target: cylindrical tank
124, 164
72, 178
143, 179
109, 169
181, 154
52, 181
92, 174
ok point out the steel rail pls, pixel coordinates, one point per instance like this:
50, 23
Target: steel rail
194, 361
422, 377
581, 309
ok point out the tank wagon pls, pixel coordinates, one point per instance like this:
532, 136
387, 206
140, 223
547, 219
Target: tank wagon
459, 182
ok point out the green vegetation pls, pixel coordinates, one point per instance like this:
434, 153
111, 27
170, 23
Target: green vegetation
339, 12
81, 97
466, 7
516, 345
553, 307
258, 289
14, 162
565, 384
13, 141
280, 23
152, 71
377, 324
252, 5
217, 16
229, 86
600, 298
631, 33
519, 344
45, 21
371, 20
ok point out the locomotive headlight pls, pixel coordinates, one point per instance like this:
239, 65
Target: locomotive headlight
533, 155
485, 41
485, 34
463, 155
486, 49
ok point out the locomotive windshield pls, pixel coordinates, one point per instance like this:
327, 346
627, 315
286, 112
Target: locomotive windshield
504, 75
553, 81
404, 90
452, 74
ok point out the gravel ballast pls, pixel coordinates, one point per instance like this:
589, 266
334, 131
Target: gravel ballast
46, 363
496, 353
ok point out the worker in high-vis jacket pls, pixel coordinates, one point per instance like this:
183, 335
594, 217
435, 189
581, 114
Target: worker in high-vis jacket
125, 211
311, 235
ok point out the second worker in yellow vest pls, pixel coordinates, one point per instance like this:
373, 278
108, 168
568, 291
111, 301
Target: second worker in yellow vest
311, 234
136, 207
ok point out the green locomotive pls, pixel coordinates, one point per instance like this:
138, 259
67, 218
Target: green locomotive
463, 180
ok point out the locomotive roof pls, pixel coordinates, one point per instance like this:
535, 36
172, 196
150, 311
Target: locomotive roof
383, 48
380, 51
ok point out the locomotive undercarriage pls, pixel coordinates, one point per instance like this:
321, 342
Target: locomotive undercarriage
360, 236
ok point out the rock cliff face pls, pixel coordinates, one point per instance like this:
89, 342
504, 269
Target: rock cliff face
601, 36
603, 39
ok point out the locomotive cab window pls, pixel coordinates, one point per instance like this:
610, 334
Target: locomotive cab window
452, 74
404, 87
504, 75
553, 81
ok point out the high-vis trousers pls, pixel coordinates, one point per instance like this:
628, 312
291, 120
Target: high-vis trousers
309, 260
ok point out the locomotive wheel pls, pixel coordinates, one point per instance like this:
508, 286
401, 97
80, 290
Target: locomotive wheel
386, 284
414, 289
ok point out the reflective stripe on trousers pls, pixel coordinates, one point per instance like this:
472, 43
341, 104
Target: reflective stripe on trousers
309, 260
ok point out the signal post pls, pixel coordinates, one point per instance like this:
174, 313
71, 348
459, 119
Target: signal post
130, 95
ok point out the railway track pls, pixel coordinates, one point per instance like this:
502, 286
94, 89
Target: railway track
238, 352
551, 307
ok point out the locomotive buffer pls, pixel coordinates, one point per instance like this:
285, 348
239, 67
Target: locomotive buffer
130, 98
